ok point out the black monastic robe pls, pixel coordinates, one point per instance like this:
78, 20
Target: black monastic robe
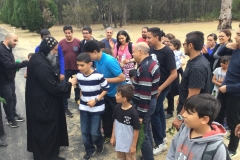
46, 121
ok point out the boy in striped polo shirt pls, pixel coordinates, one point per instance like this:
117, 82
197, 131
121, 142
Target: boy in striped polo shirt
93, 88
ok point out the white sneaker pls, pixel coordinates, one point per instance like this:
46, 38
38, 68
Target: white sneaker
165, 140
159, 149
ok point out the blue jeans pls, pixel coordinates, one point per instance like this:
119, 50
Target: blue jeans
91, 133
7, 92
147, 146
158, 120
68, 74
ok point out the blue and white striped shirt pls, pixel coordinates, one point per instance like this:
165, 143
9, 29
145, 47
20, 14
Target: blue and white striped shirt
92, 86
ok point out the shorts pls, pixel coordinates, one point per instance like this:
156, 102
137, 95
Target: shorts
126, 156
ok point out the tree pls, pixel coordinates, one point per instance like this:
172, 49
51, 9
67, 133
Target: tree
225, 18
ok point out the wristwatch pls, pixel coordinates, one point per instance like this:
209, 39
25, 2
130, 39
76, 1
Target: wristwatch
179, 117
96, 100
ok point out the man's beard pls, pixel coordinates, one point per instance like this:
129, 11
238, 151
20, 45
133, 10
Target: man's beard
52, 59
144, 36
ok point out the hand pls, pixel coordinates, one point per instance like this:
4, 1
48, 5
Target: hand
125, 61
91, 103
140, 120
62, 77
73, 81
232, 46
113, 141
204, 50
111, 43
132, 150
177, 123
220, 80
237, 131
25, 75
159, 92
223, 89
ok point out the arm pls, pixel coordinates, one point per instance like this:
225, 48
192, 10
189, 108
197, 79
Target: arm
221, 153
225, 51
8, 63
215, 81
169, 80
118, 79
113, 139
92, 102
134, 142
230, 88
61, 60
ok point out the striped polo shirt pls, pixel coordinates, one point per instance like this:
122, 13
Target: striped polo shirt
92, 86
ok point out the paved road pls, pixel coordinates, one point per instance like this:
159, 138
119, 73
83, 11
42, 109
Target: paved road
16, 137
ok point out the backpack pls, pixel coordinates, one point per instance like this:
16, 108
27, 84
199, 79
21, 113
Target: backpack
211, 148
129, 48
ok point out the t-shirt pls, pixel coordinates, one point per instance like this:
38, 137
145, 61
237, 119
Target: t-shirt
178, 54
126, 121
70, 52
109, 67
141, 39
107, 45
197, 74
122, 54
219, 73
91, 86
166, 60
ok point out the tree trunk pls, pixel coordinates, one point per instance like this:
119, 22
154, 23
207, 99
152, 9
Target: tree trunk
225, 18
109, 13
124, 13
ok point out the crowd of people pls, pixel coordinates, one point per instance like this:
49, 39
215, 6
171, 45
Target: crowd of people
120, 88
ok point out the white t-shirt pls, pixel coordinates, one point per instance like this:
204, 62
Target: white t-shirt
219, 73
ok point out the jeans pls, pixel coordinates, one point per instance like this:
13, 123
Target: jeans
68, 74
107, 119
147, 146
158, 120
170, 107
8, 93
222, 113
91, 133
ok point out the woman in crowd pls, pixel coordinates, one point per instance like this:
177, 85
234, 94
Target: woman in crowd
209, 47
123, 52
224, 38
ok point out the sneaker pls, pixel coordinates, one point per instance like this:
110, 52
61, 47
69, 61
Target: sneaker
165, 140
3, 144
159, 149
100, 149
88, 155
168, 116
12, 123
228, 137
68, 113
233, 155
18, 118
106, 140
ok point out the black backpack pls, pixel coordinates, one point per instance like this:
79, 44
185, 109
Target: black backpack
211, 148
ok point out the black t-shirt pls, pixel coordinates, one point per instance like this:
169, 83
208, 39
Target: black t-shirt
197, 74
166, 61
127, 117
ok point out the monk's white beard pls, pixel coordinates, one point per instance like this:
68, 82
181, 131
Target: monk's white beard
52, 59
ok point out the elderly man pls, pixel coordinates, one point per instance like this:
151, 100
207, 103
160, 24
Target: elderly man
146, 88
46, 122
8, 67
109, 40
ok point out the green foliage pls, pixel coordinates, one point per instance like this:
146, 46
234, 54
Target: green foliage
171, 131
141, 137
2, 100
235, 10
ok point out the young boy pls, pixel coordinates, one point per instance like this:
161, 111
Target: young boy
126, 124
93, 88
198, 130
29, 56
219, 74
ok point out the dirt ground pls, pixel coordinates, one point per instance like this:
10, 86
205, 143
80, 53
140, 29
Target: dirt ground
28, 41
